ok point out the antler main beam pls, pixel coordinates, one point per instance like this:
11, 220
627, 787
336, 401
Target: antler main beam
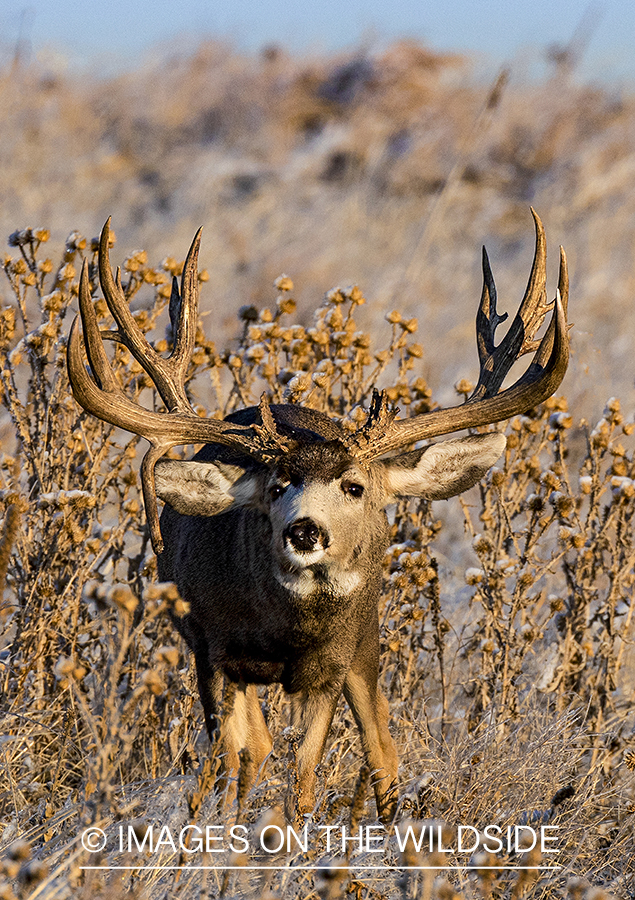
486, 405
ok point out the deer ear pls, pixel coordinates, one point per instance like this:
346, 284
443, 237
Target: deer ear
204, 488
445, 469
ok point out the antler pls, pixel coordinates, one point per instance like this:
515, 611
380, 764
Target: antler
103, 396
486, 405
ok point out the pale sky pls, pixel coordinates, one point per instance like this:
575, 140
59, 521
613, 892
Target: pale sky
502, 30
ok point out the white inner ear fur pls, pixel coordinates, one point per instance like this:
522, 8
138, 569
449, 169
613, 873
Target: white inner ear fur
202, 488
445, 469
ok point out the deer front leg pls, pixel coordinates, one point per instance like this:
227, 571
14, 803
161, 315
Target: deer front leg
233, 716
311, 714
210, 689
259, 741
370, 709
243, 728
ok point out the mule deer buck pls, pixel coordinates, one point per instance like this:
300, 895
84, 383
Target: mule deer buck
274, 533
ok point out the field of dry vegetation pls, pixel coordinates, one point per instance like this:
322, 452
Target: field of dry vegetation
507, 618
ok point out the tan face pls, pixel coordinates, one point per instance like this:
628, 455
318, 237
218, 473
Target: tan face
320, 527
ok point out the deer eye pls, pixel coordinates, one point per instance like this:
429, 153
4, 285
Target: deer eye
353, 489
275, 491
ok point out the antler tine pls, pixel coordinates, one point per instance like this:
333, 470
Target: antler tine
487, 317
487, 405
269, 440
184, 311
128, 332
148, 487
563, 280
379, 419
171, 388
497, 361
534, 306
95, 351
545, 347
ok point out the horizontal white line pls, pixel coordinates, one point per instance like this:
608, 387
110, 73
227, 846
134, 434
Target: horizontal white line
330, 868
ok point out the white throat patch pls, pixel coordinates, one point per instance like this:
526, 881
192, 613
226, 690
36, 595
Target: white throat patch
304, 583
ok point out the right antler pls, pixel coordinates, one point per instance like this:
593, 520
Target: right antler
486, 405
104, 397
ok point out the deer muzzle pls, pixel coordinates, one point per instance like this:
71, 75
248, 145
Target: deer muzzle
305, 536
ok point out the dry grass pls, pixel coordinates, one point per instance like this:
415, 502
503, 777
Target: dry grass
508, 664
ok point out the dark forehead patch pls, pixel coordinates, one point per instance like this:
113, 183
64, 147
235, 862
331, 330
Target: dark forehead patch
324, 461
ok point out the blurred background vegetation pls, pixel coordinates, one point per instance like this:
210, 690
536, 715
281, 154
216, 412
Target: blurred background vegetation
387, 169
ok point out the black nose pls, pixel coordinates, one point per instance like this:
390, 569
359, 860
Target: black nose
305, 535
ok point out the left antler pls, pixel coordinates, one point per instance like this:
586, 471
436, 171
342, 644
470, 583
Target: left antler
103, 396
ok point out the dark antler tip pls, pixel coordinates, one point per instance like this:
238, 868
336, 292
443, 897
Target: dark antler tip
104, 244
196, 243
538, 222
